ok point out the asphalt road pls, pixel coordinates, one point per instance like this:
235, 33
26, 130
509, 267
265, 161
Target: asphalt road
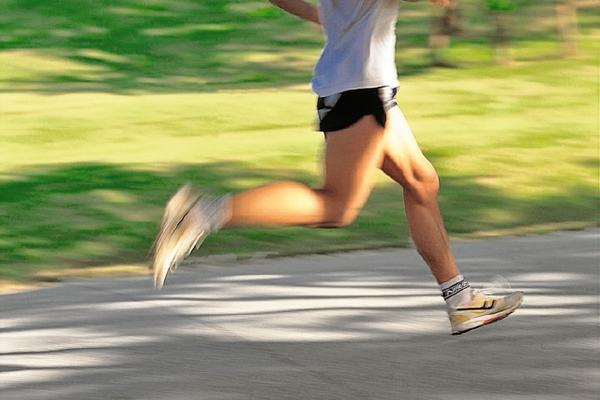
361, 325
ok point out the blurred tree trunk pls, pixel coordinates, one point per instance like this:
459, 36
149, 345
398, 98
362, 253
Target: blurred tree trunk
444, 24
501, 12
501, 38
566, 23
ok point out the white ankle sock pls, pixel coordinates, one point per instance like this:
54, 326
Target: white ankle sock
456, 291
212, 212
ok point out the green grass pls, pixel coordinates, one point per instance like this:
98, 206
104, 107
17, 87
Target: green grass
106, 110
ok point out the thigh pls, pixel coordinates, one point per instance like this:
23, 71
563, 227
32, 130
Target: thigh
403, 160
352, 155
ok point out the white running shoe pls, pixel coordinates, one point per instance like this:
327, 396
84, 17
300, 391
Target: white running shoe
483, 309
189, 217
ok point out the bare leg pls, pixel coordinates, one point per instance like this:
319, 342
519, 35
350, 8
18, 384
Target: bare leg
405, 163
351, 157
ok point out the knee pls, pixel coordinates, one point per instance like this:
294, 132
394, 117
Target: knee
424, 183
344, 218
339, 218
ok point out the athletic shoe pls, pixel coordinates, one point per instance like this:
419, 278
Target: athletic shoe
483, 309
189, 217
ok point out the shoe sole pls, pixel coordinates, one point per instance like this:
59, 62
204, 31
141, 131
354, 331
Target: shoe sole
492, 318
168, 228
168, 225
179, 250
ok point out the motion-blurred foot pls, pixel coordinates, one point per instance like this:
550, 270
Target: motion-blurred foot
189, 217
483, 309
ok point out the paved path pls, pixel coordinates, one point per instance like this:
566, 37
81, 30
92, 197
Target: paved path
362, 325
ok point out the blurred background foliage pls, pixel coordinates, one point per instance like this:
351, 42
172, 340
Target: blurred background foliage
198, 45
107, 106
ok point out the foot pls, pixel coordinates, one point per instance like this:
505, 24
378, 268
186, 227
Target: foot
483, 309
188, 218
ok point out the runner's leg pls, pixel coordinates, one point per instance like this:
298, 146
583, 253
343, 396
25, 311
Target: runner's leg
351, 157
405, 163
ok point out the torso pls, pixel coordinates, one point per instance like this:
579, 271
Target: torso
360, 48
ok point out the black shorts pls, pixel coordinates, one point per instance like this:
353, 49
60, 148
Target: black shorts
342, 110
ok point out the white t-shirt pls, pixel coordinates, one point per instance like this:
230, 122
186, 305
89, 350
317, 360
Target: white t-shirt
360, 45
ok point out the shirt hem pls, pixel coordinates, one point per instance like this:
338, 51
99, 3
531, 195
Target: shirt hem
343, 87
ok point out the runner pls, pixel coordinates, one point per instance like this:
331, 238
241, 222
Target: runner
355, 80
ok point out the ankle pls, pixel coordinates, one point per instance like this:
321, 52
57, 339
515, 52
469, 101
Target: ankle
456, 291
213, 213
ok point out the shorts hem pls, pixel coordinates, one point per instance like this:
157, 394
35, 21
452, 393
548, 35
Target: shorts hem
342, 110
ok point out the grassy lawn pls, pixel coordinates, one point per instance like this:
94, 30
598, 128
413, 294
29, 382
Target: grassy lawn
105, 110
